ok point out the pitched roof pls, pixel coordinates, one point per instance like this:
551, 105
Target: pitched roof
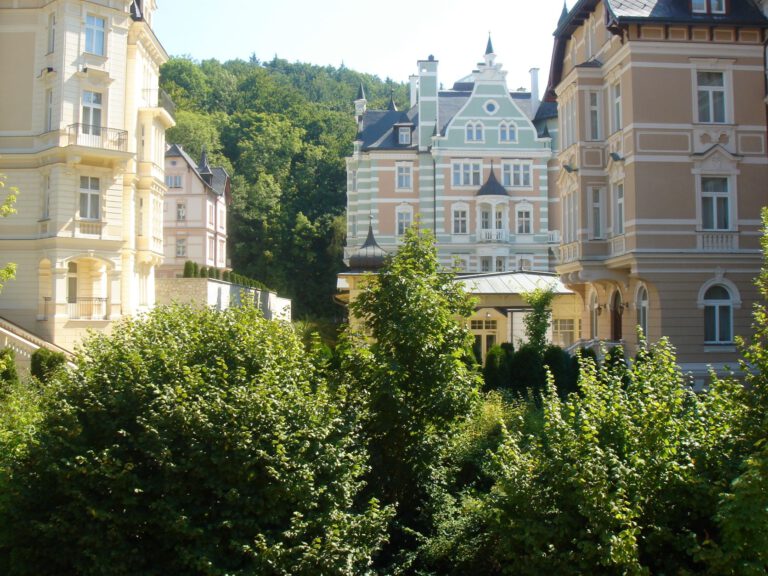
219, 176
511, 283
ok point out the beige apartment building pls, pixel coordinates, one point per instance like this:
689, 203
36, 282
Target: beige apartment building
195, 213
662, 170
82, 136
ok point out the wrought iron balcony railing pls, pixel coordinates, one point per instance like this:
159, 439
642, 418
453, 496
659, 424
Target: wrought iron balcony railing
93, 136
159, 98
87, 309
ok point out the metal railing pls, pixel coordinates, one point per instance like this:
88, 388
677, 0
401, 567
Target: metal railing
159, 98
93, 136
87, 309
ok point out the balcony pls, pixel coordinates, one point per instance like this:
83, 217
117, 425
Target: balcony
87, 228
570, 252
618, 245
159, 98
491, 235
91, 136
718, 241
87, 309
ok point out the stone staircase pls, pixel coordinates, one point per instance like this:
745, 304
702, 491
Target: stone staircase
24, 344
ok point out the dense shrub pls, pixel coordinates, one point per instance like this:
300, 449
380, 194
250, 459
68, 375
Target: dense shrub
46, 362
189, 269
8, 374
496, 372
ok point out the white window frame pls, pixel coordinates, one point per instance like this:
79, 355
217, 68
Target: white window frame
594, 313
460, 224
619, 209
508, 132
714, 197
520, 210
181, 211
517, 174
403, 136
95, 35
469, 173
404, 176
594, 118
616, 107
92, 112
51, 33
90, 198
597, 222
710, 92
715, 307
403, 219
708, 6
181, 247
211, 256
474, 132
486, 263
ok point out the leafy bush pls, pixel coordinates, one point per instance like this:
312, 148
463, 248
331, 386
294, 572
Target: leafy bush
8, 374
189, 268
527, 374
46, 362
496, 372
203, 272
191, 442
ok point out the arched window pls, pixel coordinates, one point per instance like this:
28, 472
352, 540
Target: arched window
507, 132
642, 310
474, 132
718, 315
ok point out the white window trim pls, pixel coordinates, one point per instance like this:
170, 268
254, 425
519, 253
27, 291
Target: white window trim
403, 135
461, 163
731, 195
104, 31
409, 167
619, 218
598, 108
732, 288
601, 205
474, 126
508, 166
402, 209
90, 192
463, 206
181, 243
504, 129
524, 207
617, 107
723, 66
642, 304
51, 39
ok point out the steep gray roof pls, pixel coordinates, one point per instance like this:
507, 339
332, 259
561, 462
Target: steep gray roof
739, 12
219, 175
492, 186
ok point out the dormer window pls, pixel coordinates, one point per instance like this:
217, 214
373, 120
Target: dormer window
708, 6
404, 136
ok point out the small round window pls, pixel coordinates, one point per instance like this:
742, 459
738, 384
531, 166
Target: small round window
491, 107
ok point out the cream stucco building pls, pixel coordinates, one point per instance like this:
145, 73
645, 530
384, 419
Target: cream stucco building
82, 136
661, 170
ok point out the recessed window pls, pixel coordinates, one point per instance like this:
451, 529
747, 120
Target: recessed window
404, 176
617, 111
466, 173
51, 32
708, 6
404, 136
173, 180
474, 132
92, 112
642, 310
618, 215
460, 220
486, 262
710, 92
516, 174
507, 132
181, 211
594, 115
404, 219
715, 203
597, 214
718, 315
523, 218
181, 247
90, 198
95, 30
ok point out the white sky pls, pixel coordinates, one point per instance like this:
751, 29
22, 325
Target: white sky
384, 38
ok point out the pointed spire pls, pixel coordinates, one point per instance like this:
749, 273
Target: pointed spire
370, 256
489, 46
360, 92
203, 168
392, 106
563, 15
492, 186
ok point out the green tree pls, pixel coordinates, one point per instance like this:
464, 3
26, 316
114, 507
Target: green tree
8, 271
496, 372
191, 441
45, 363
537, 321
414, 376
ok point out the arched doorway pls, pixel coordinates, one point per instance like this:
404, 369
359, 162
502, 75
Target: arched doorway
616, 312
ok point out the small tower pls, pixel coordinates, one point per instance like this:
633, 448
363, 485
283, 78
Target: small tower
204, 169
360, 106
490, 55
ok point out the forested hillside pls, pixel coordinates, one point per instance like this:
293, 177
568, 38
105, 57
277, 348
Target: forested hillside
282, 130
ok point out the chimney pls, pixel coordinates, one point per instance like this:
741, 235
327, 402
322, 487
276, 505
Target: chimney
414, 80
428, 87
534, 90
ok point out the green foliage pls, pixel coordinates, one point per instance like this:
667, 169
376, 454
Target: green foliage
282, 130
527, 374
8, 374
496, 372
45, 363
195, 270
189, 269
8, 271
623, 478
203, 272
538, 319
412, 375
191, 442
